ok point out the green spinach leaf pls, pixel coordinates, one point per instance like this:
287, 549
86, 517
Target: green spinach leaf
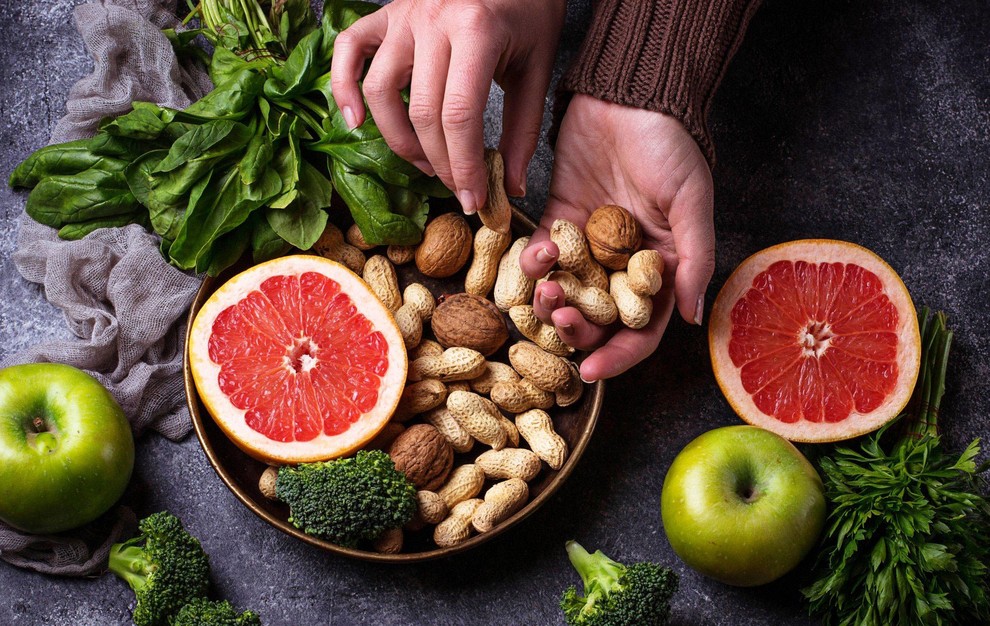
145, 121
277, 121
413, 205
128, 149
227, 250
81, 229
287, 163
225, 65
302, 222
165, 209
223, 206
258, 154
338, 15
196, 143
429, 186
63, 159
232, 99
93, 194
265, 242
363, 149
162, 183
371, 207
322, 85
303, 66
234, 34
295, 20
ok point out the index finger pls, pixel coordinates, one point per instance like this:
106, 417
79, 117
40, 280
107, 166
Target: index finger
469, 80
351, 49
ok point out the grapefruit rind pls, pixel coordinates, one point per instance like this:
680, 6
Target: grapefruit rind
231, 419
815, 251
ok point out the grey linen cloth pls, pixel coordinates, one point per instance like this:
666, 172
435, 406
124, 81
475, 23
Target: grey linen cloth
125, 304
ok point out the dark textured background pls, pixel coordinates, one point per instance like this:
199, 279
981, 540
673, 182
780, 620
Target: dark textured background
861, 121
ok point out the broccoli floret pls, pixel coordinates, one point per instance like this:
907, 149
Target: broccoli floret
165, 566
616, 594
347, 500
203, 612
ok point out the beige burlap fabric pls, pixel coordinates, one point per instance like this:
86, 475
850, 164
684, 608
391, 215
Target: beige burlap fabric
125, 304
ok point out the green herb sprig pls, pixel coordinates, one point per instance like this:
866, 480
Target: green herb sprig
254, 164
907, 541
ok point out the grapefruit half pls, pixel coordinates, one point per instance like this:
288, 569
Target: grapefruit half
297, 360
816, 340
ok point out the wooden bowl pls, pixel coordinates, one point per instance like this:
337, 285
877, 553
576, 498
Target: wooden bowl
240, 472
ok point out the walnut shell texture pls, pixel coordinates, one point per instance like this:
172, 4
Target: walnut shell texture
613, 235
470, 321
423, 455
446, 246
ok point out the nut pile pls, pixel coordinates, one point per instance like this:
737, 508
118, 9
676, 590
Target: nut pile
472, 431
611, 239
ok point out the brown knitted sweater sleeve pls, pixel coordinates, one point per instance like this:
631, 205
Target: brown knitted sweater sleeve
662, 55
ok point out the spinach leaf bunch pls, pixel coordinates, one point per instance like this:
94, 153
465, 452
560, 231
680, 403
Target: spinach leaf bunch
907, 541
254, 164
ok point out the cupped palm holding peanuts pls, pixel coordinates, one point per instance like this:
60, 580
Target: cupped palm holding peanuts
666, 185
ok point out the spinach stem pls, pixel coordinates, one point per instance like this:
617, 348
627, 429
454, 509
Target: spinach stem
247, 15
194, 10
290, 107
314, 107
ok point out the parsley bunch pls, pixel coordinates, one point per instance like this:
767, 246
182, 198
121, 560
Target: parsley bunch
908, 541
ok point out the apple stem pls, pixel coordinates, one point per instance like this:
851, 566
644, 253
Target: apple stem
39, 425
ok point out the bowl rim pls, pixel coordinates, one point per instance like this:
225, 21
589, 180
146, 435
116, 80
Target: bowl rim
597, 390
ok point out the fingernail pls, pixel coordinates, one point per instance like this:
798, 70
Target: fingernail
548, 302
543, 256
586, 381
521, 189
425, 167
567, 329
699, 310
348, 114
468, 202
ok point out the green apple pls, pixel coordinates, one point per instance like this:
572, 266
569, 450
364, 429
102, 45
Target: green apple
66, 449
742, 505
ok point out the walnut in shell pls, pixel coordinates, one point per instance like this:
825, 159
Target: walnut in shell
613, 235
446, 246
469, 321
423, 455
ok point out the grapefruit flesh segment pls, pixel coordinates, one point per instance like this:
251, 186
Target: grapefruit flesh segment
301, 360
816, 340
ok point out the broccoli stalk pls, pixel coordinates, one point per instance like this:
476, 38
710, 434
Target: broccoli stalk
165, 566
203, 612
347, 500
616, 594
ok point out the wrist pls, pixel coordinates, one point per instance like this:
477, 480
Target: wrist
622, 122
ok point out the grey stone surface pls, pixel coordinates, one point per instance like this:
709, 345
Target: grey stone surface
868, 122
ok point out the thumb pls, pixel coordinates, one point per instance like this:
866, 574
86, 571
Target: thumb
693, 229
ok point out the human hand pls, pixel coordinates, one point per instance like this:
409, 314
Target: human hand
447, 52
648, 163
